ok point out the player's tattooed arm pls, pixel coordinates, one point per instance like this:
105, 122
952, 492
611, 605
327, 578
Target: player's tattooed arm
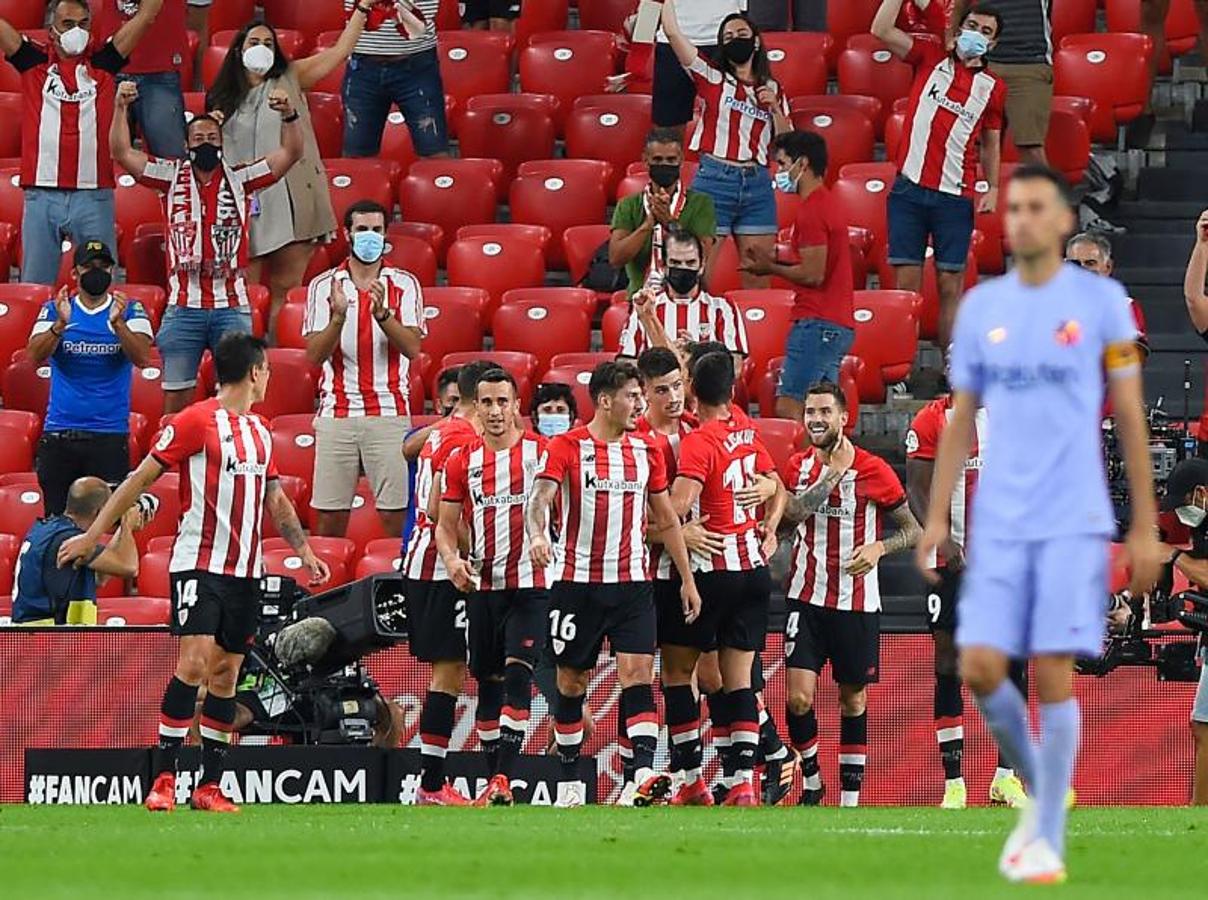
908, 531
285, 517
536, 520
806, 502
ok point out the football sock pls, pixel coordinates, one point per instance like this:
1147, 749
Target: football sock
1018, 673
486, 718
217, 717
803, 732
435, 729
723, 742
853, 753
771, 747
949, 725
1059, 727
175, 717
624, 747
514, 715
683, 729
1006, 714
642, 726
744, 733
568, 732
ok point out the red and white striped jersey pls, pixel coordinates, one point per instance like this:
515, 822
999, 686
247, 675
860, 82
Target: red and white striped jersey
725, 456
669, 445
850, 518
494, 486
207, 229
734, 125
604, 491
225, 462
949, 106
922, 442
703, 318
66, 111
422, 561
365, 375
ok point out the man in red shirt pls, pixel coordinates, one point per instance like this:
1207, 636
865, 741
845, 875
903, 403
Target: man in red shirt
66, 167
823, 327
955, 106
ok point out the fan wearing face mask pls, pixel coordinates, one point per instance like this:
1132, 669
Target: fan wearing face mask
66, 167
208, 204
289, 216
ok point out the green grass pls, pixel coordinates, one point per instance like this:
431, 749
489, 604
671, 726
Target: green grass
371, 851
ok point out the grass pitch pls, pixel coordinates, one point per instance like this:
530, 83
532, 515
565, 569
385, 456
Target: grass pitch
391, 851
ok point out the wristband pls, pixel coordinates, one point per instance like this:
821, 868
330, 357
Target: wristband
292, 117
382, 319
56, 333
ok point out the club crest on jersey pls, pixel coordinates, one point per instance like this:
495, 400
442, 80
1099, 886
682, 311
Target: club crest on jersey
1068, 333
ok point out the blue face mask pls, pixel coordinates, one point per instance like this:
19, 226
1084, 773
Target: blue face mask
971, 44
551, 424
784, 182
368, 246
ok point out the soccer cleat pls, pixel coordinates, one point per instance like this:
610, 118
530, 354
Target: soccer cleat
778, 775
1037, 863
209, 798
498, 792
720, 790
742, 794
811, 797
628, 794
694, 794
1021, 835
1007, 790
955, 796
446, 796
654, 791
162, 797
570, 795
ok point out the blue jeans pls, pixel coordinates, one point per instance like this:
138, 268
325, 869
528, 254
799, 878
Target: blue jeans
159, 113
52, 214
918, 213
813, 353
371, 86
742, 196
186, 333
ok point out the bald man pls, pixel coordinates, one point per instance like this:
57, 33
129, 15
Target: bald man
45, 594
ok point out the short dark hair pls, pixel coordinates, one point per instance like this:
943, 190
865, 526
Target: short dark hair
713, 379
661, 135
1037, 172
677, 235
496, 376
204, 117
53, 6
986, 9
700, 349
655, 362
468, 377
365, 208
446, 378
551, 391
807, 145
237, 354
610, 377
819, 388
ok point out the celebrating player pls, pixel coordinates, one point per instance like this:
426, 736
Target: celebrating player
840, 492
227, 478
490, 478
1035, 348
609, 477
436, 611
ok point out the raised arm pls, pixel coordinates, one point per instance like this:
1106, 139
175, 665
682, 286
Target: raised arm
282, 159
121, 148
683, 48
315, 68
129, 35
120, 558
81, 546
1193, 280
884, 26
10, 38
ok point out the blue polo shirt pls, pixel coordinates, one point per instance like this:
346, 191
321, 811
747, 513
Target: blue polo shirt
42, 589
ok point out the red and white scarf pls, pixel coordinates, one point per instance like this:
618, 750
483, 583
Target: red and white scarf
658, 264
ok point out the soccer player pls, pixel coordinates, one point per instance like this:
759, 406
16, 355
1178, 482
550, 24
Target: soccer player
1035, 348
840, 494
717, 461
227, 480
921, 442
489, 479
613, 481
436, 610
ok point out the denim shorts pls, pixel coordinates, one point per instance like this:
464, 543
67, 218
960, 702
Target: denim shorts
186, 333
372, 86
813, 353
916, 214
742, 196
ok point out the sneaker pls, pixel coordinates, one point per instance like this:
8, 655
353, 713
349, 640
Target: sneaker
446, 796
1037, 863
1022, 835
628, 795
742, 794
162, 797
570, 795
1007, 790
778, 778
498, 792
955, 796
811, 797
654, 791
209, 798
694, 794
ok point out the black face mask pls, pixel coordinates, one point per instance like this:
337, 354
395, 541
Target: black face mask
740, 50
664, 175
205, 157
95, 282
682, 281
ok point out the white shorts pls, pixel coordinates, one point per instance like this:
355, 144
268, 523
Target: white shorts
346, 447
1199, 709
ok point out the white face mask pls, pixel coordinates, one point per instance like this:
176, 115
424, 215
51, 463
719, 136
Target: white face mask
258, 59
1191, 516
73, 41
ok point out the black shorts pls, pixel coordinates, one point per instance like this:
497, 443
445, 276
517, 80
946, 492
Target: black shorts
481, 10
941, 602
506, 625
582, 615
850, 640
220, 606
674, 90
734, 611
436, 620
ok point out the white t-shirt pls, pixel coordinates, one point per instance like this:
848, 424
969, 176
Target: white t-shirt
699, 19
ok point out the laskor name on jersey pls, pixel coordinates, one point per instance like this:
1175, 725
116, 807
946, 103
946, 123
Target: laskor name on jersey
481, 499
592, 482
1017, 377
245, 467
739, 439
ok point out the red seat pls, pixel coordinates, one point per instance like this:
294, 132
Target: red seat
767, 319
20, 307
990, 252
292, 41
291, 319
20, 507
135, 205
364, 523
12, 197
147, 390
568, 64
23, 15
538, 17
152, 298
862, 191
497, 265
453, 316
605, 15
167, 490
147, 260
559, 202
153, 577
577, 378
311, 19
611, 127
12, 112
523, 367
379, 561
782, 437
843, 20
929, 308
412, 255
849, 134
26, 386
294, 448
432, 235
448, 193
1124, 16
887, 339
874, 73
544, 104
542, 329
16, 449
581, 243
23, 420
397, 145
1112, 70
511, 135
1067, 145
574, 297
588, 360
611, 325
327, 120
292, 387
9, 545
475, 62
1078, 17
338, 553
799, 60
352, 180
871, 107
537, 234
118, 611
